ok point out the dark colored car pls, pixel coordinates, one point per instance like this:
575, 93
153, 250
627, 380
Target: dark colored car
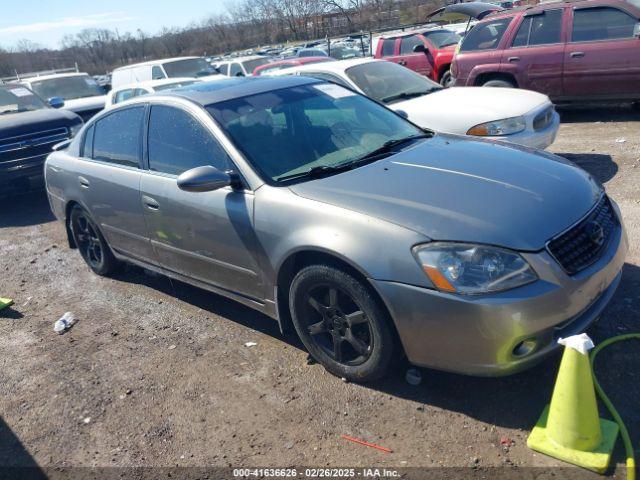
28, 131
427, 52
290, 62
568, 50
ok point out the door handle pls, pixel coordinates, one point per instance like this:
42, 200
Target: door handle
84, 183
150, 203
402, 62
513, 59
576, 54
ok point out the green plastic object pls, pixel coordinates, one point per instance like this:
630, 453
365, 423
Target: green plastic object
5, 302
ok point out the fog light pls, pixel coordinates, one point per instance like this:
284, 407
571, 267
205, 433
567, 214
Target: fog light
525, 347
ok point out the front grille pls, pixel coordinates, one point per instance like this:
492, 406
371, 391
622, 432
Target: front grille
543, 119
31, 144
584, 243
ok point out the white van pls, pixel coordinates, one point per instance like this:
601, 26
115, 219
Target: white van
179, 67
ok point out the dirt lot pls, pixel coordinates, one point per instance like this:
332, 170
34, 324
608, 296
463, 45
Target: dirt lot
156, 373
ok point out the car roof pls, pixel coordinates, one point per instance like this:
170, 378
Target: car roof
338, 66
244, 58
156, 83
154, 62
562, 4
52, 76
207, 93
414, 31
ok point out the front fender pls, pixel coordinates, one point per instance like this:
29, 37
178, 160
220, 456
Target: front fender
287, 224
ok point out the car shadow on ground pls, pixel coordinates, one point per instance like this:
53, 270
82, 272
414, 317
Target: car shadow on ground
23, 210
15, 460
602, 167
583, 113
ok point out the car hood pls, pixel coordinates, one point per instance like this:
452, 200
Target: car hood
86, 103
457, 109
458, 189
15, 124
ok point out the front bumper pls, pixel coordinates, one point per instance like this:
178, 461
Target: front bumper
477, 335
22, 174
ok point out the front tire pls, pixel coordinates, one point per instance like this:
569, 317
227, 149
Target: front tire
340, 323
498, 83
92, 246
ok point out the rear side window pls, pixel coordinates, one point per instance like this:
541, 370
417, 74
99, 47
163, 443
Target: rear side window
87, 146
540, 29
178, 142
157, 73
388, 47
485, 35
123, 95
224, 68
407, 44
118, 137
601, 23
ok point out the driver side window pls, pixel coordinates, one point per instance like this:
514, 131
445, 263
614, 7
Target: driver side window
178, 142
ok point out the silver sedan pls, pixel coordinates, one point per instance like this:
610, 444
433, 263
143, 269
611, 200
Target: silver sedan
336, 216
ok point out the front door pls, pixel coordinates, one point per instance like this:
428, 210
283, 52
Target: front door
536, 53
602, 58
207, 236
419, 62
110, 180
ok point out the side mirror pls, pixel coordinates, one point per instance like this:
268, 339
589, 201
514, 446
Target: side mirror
420, 48
203, 179
402, 113
56, 102
239, 74
636, 30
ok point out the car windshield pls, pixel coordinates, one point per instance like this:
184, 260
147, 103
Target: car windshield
442, 38
68, 88
388, 82
318, 127
169, 86
19, 99
189, 67
251, 65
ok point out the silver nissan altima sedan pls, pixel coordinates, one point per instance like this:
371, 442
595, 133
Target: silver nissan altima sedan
332, 214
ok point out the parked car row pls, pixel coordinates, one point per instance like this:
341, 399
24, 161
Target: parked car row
339, 218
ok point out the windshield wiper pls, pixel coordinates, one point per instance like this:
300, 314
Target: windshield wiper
386, 148
406, 95
316, 172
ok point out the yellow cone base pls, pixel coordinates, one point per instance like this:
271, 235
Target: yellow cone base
597, 460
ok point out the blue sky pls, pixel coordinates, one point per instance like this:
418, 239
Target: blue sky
47, 21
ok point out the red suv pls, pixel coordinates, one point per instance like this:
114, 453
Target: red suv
427, 52
587, 49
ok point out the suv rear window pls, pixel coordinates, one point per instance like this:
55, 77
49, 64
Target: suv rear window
601, 23
485, 35
541, 29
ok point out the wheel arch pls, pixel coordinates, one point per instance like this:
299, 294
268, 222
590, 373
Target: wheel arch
486, 76
305, 257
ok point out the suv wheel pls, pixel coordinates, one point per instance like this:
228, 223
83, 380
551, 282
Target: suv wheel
447, 79
91, 244
499, 83
340, 323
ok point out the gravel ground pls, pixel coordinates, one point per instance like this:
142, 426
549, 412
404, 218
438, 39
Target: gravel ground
156, 373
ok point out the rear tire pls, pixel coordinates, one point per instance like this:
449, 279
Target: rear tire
92, 246
447, 79
499, 83
340, 323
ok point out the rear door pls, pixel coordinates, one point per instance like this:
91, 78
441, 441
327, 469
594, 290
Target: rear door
536, 53
207, 236
110, 180
602, 57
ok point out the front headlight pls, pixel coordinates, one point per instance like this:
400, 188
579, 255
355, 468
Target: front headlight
506, 126
74, 129
472, 269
